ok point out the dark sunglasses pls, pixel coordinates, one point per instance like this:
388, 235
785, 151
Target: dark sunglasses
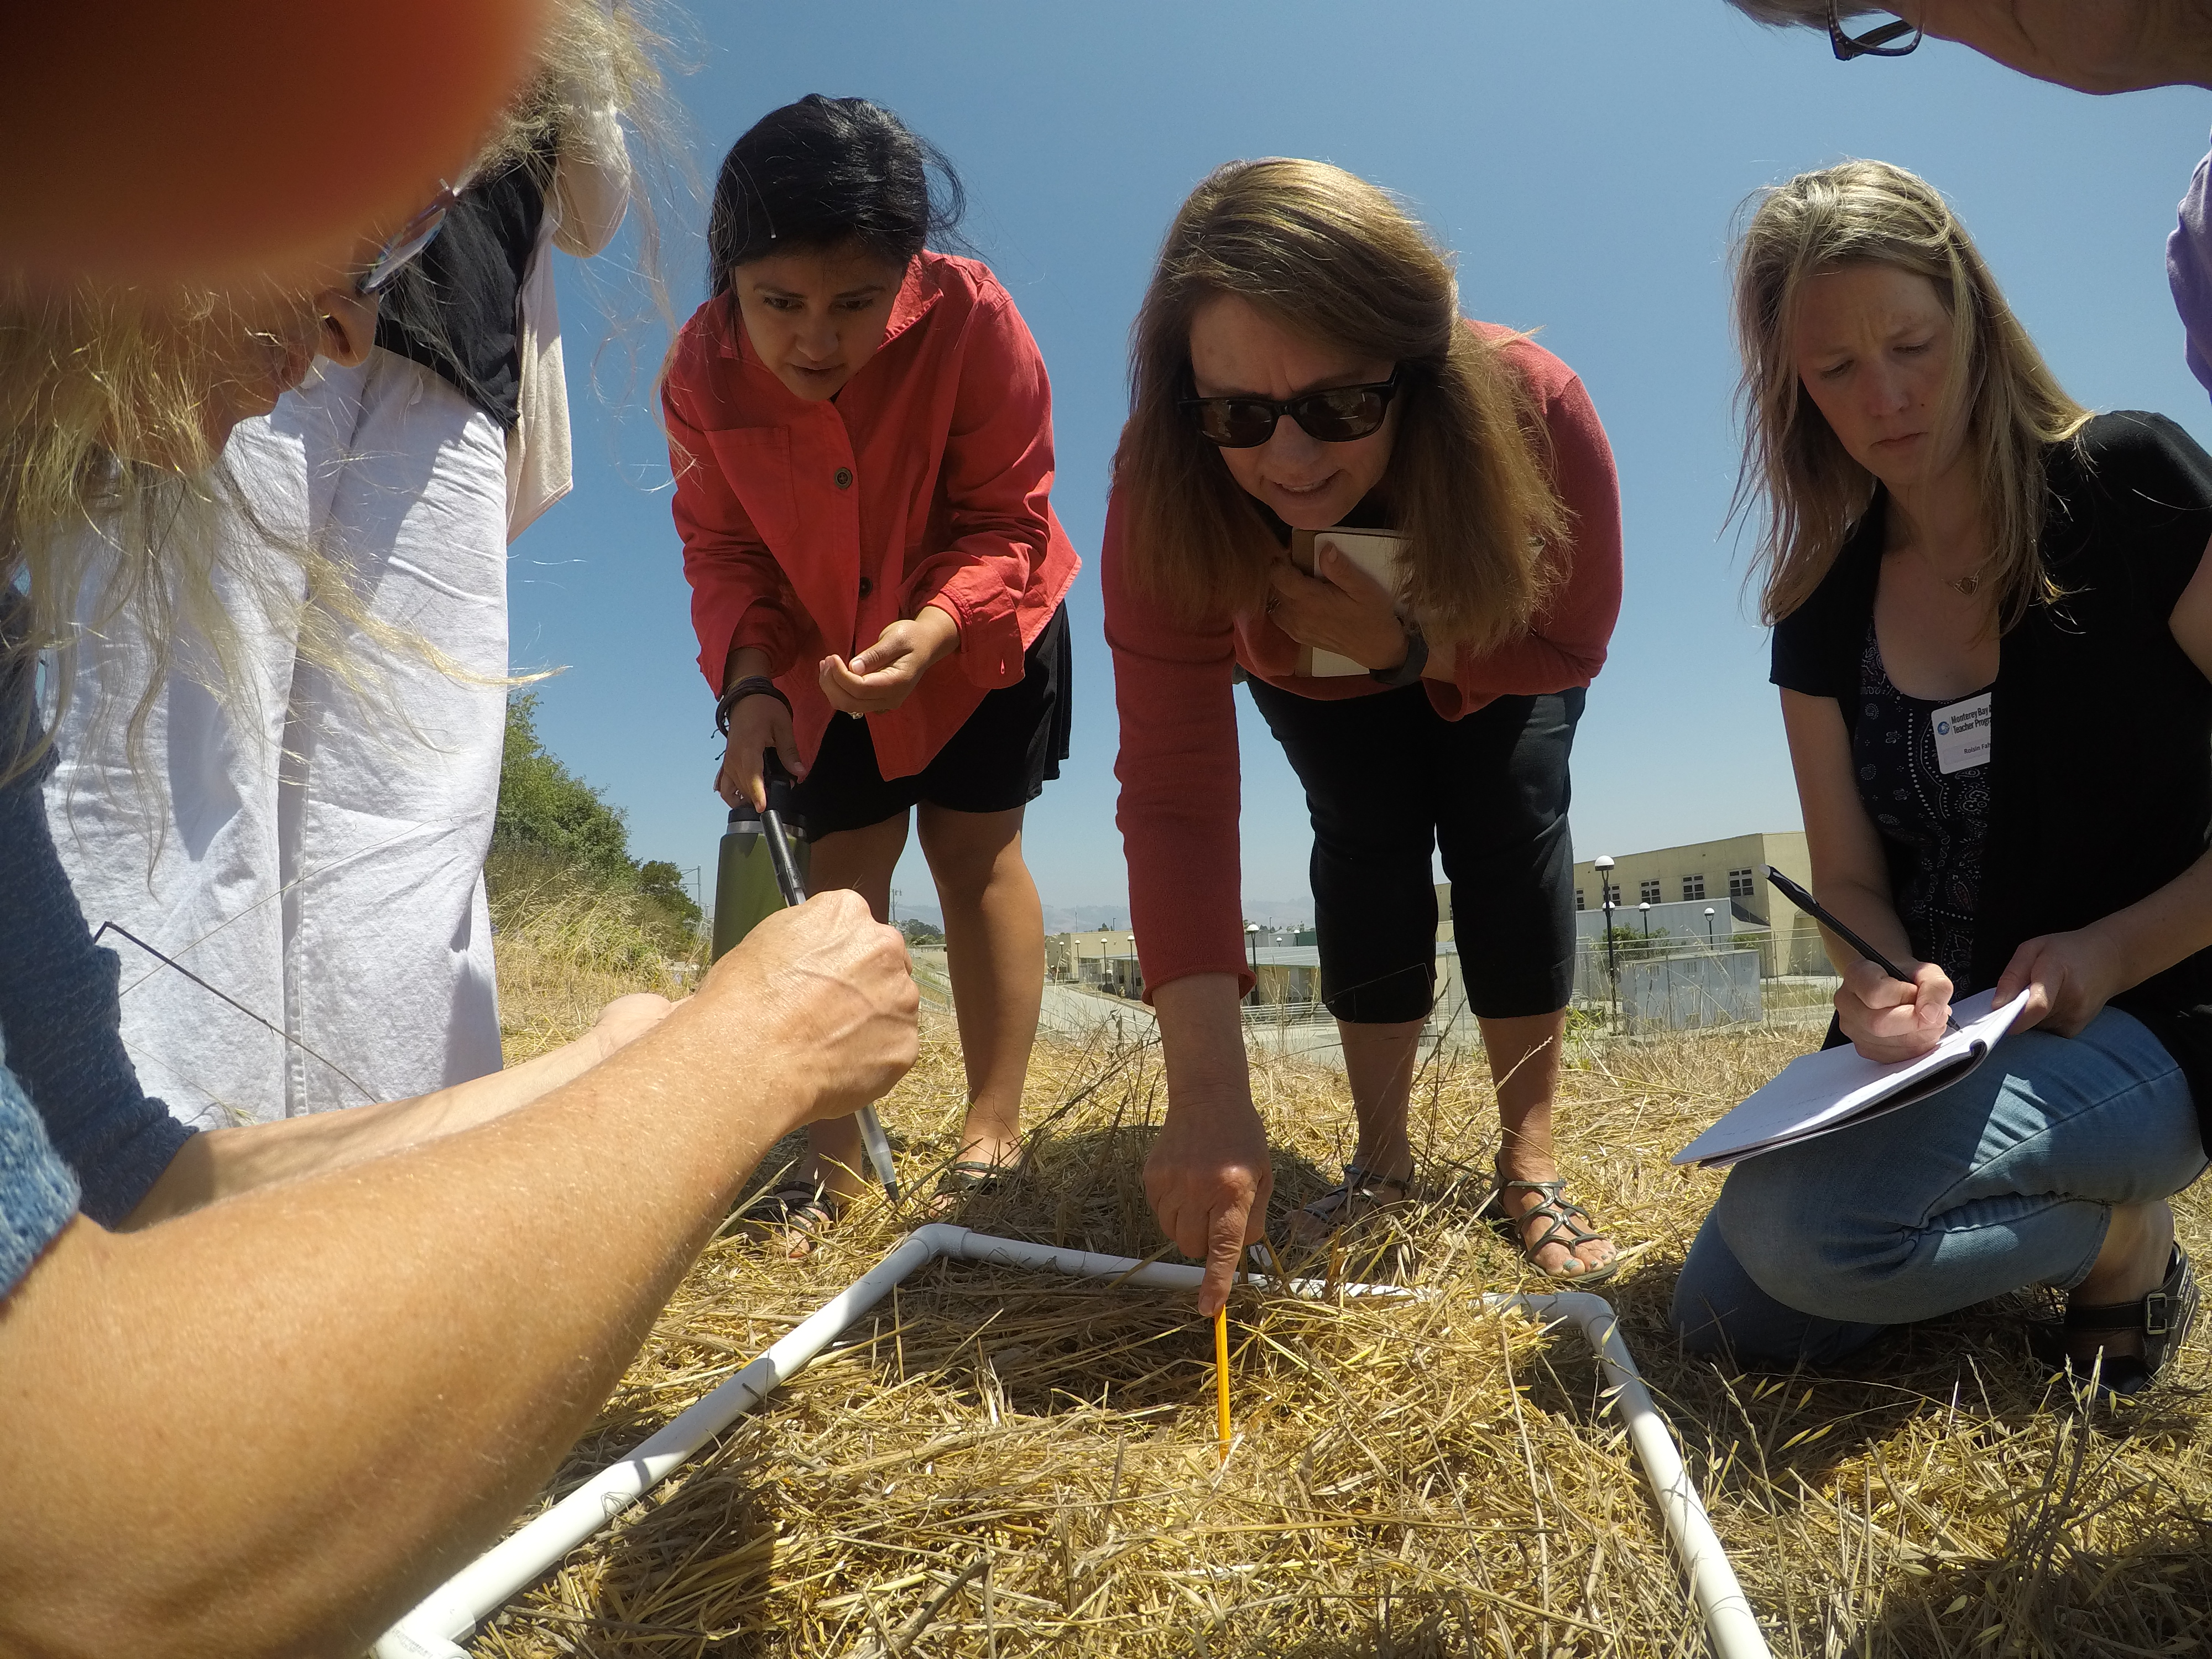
1874, 43
1336, 416
411, 238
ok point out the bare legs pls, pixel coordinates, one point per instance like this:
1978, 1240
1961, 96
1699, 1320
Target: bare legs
1524, 1064
995, 945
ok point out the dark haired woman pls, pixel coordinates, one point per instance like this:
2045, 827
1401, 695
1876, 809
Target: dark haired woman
861, 435
1953, 544
1301, 364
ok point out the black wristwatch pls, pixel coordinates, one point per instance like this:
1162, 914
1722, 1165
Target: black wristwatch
1417, 658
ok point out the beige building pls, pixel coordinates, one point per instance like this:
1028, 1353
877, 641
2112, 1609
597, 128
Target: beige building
1729, 875
1087, 958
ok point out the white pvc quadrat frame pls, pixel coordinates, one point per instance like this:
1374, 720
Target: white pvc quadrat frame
451, 1613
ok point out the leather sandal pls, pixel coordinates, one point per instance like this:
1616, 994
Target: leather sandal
1560, 1214
800, 1210
2163, 1317
1353, 1200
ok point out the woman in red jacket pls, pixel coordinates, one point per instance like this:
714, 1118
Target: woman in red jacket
1300, 364
861, 435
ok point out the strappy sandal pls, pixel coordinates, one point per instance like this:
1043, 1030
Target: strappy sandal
1351, 1201
801, 1211
2163, 1317
1560, 1213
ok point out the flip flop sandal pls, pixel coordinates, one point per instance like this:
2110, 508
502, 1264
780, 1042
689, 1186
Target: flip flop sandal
800, 1210
1558, 1212
2163, 1317
1349, 1202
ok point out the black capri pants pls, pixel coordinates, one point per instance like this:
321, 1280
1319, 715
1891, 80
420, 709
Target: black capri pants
1386, 779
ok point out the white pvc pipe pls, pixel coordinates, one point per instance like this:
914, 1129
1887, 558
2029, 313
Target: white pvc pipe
452, 1612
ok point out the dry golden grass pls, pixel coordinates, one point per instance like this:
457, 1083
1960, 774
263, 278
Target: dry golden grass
1002, 1464
567, 947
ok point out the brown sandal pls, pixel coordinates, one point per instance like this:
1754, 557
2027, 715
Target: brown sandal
797, 1212
1559, 1213
1350, 1201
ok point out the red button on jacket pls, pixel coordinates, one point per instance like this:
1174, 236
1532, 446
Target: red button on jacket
808, 527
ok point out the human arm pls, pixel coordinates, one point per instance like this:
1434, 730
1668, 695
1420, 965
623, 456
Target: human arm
996, 480
272, 1425
2090, 45
218, 1163
1887, 1019
1207, 1176
2070, 976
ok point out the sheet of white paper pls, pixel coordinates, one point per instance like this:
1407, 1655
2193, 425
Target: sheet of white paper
1821, 1092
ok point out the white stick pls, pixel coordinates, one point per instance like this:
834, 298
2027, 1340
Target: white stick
452, 1612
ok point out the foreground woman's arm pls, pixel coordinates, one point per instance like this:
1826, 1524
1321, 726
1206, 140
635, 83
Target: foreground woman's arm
272, 1425
1207, 1176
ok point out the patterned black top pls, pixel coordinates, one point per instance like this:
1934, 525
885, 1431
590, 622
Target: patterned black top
1941, 820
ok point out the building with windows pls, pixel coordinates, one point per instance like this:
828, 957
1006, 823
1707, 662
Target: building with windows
1728, 876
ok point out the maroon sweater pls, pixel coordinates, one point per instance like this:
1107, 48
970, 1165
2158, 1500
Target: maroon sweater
1178, 765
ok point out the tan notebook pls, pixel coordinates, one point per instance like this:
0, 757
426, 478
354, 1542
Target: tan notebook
1380, 553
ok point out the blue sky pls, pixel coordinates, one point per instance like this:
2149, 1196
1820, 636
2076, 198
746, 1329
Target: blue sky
1585, 161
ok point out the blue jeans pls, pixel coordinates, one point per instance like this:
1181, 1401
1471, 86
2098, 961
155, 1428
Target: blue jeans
2006, 1179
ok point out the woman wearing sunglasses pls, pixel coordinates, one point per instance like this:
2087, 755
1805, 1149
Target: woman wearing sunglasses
1300, 364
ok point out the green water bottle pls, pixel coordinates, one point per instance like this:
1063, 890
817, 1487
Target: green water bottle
746, 892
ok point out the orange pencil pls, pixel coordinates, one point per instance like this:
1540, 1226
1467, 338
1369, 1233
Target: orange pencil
1221, 1376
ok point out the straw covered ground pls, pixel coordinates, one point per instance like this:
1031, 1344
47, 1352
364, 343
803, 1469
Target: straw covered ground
1001, 1465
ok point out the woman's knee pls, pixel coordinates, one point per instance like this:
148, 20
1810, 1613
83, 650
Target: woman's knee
1778, 1214
968, 851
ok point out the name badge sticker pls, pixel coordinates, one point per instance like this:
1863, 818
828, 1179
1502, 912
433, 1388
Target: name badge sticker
1962, 734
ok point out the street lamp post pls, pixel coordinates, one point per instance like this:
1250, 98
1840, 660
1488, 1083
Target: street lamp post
1252, 949
1132, 963
1604, 868
1709, 927
1646, 909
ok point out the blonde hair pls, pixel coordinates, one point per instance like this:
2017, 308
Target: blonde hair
2001, 399
1333, 257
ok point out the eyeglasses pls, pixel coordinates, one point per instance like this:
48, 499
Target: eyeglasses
411, 238
1874, 43
1336, 416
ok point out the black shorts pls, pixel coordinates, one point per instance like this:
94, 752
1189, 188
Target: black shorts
1000, 759
1388, 779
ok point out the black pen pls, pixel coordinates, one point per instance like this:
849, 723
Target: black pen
1812, 907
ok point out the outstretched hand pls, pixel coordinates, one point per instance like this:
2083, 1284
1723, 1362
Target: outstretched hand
1208, 1179
885, 675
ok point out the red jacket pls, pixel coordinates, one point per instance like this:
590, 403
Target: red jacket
1178, 766
808, 527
